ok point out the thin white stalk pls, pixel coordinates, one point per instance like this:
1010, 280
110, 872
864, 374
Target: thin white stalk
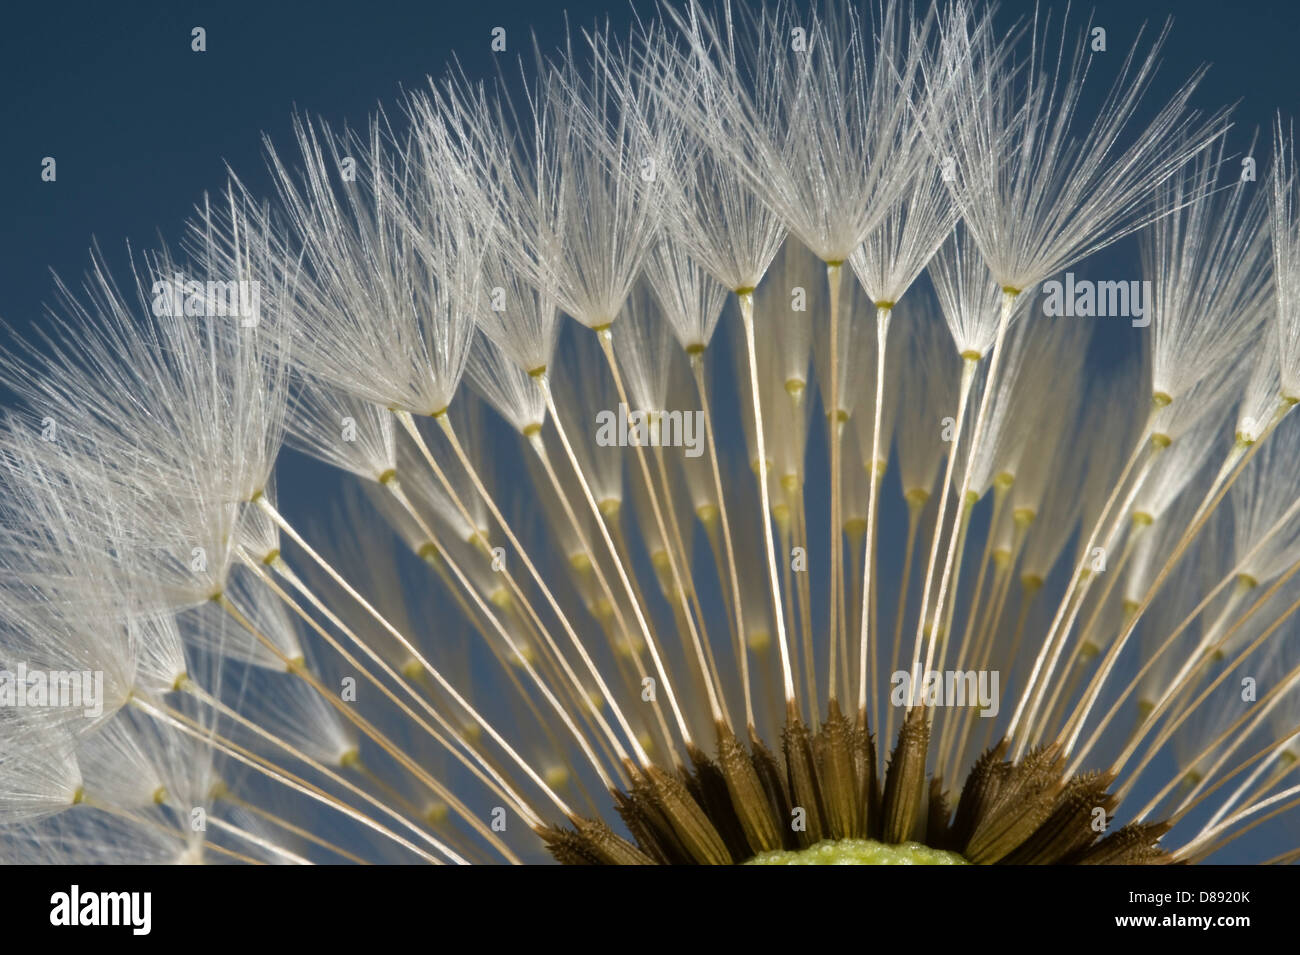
1252, 715
914, 509
774, 582
714, 693
281, 823
198, 693
1199, 793
969, 364
544, 384
410, 648
981, 419
1036, 690
834, 273
1239, 793
174, 832
554, 604
742, 651
259, 841
1209, 598
1147, 443
287, 779
1236, 461
1195, 847
1064, 688
370, 730
539, 447
1000, 490
465, 754
883, 313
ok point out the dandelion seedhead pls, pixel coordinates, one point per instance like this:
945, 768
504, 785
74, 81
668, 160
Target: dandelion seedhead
801, 592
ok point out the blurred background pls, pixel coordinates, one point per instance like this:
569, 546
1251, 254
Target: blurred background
139, 125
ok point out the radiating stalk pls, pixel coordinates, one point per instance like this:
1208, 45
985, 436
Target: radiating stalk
487, 775
539, 448
883, 313
778, 613
1236, 461
445, 421
969, 364
742, 655
651, 643
977, 436
184, 724
834, 273
915, 505
1058, 635
714, 693
401, 638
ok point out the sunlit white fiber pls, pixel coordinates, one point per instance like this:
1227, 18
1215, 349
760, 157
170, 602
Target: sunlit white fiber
506, 386
394, 265
349, 433
1037, 187
711, 208
1265, 494
1284, 230
838, 140
1044, 360
1209, 269
645, 350
39, 775
691, 299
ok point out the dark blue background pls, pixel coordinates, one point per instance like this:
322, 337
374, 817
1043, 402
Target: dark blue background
140, 125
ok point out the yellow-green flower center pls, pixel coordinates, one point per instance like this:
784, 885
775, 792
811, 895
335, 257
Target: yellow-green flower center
860, 852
